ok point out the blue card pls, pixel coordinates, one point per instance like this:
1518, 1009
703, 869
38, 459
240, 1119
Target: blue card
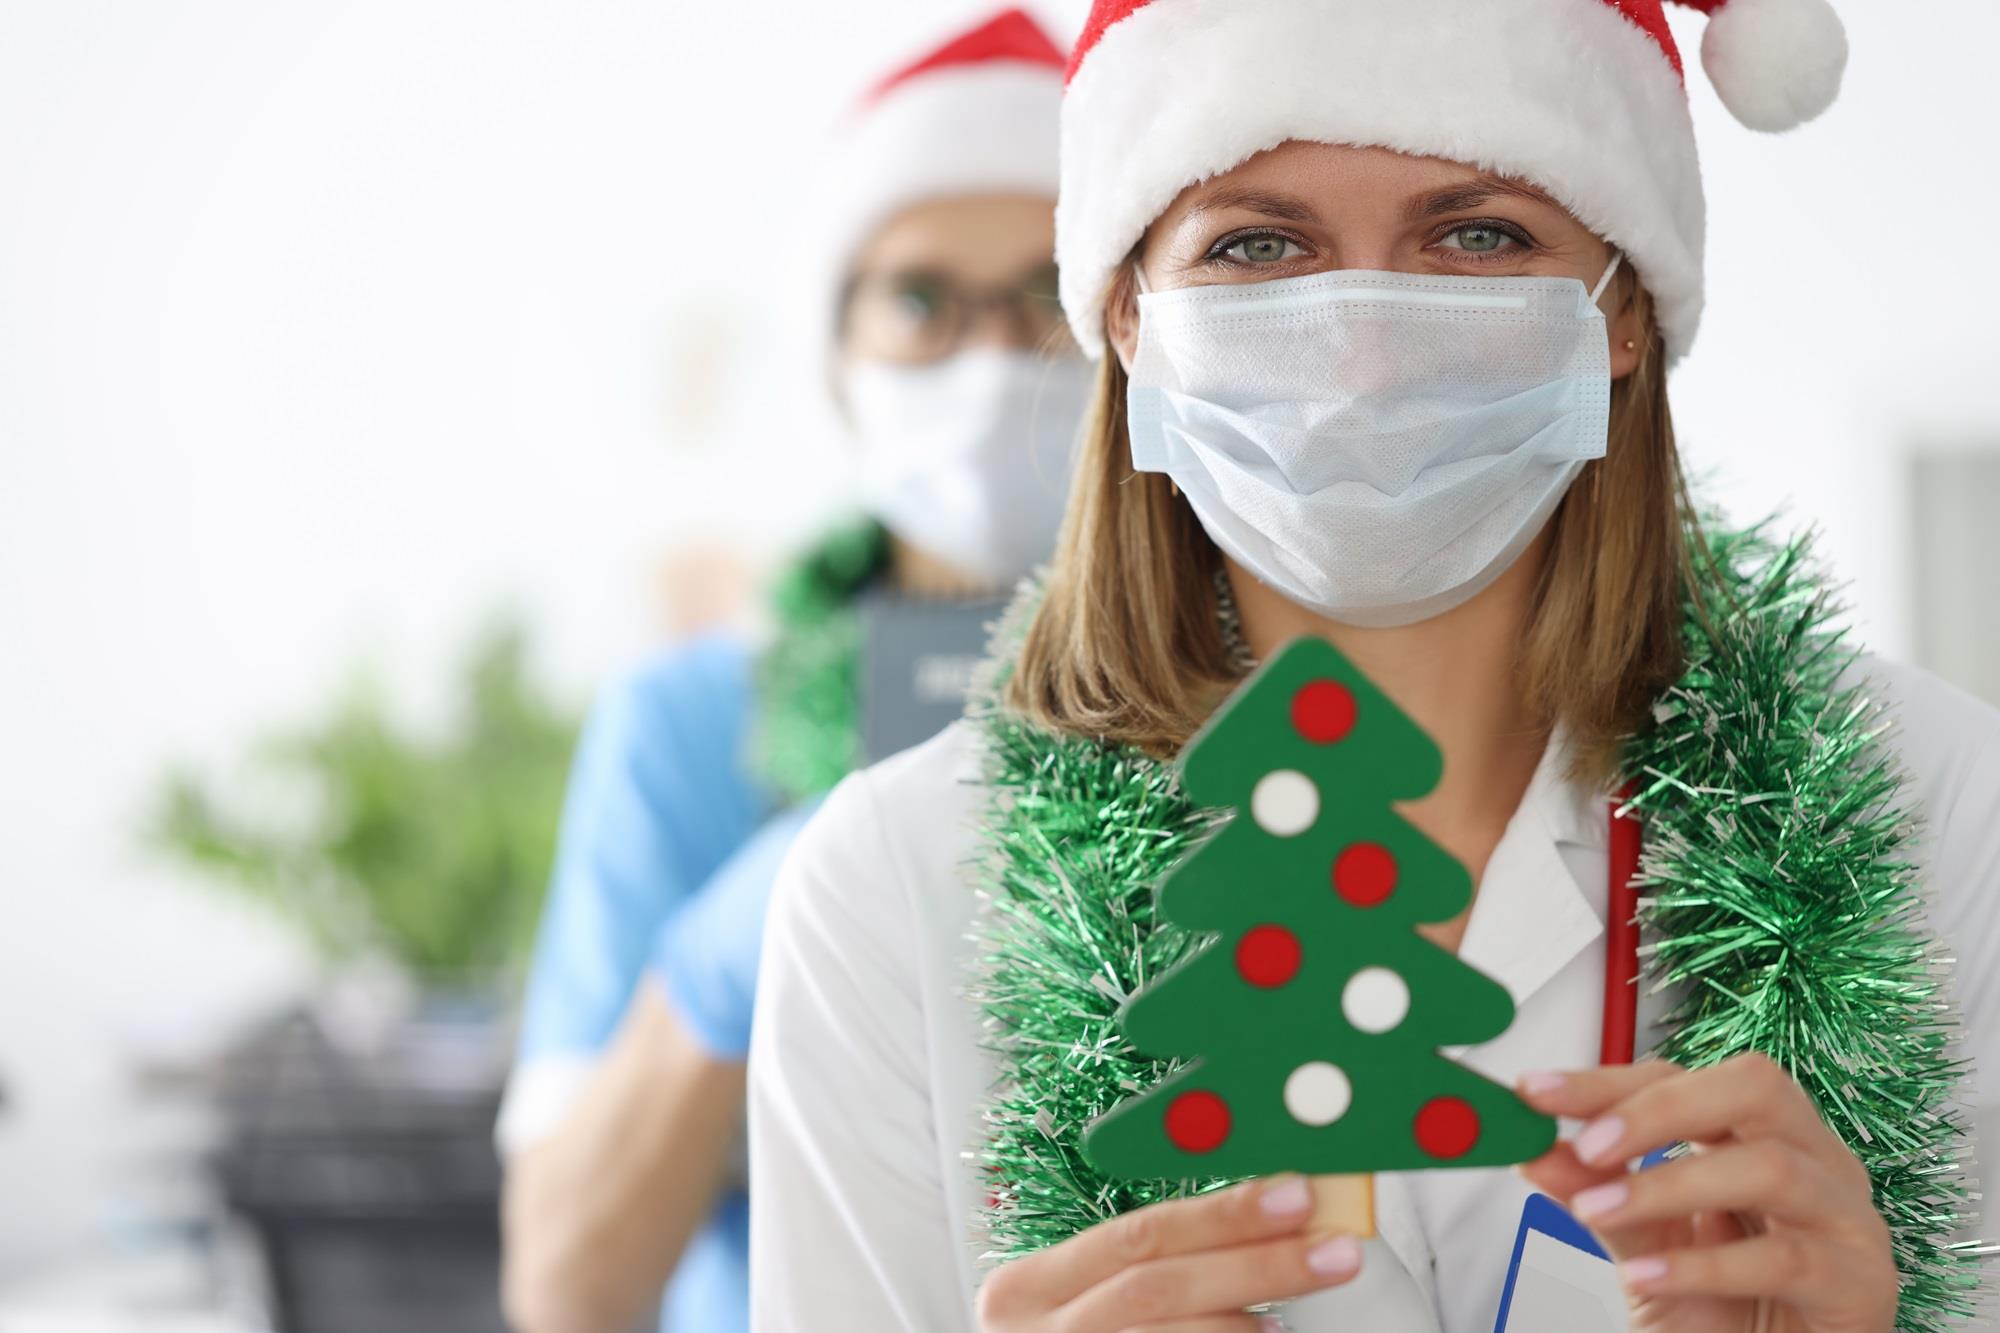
1559, 1280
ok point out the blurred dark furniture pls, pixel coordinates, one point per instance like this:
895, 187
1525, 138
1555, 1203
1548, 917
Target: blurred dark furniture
370, 1184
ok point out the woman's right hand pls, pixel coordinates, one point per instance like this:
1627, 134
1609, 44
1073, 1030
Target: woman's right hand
1189, 1266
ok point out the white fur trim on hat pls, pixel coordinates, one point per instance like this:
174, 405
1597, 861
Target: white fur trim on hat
991, 129
1567, 94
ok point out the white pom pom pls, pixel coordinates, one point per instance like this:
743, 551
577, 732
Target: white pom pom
1775, 63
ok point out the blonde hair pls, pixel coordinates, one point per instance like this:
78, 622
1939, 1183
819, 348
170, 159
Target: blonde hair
1126, 646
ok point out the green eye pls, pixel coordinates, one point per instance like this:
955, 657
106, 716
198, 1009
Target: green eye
1044, 284
1265, 248
1481, 240
919, 300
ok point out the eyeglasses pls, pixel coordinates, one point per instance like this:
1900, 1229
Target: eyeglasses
914, 316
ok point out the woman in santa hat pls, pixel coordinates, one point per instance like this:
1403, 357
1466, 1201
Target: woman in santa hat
934, 235
1386, 293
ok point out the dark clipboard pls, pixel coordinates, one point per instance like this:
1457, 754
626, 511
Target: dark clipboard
917, 659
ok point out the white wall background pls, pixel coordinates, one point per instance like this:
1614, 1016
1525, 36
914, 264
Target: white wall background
325, 327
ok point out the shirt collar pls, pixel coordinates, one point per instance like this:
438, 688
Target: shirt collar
1532, 916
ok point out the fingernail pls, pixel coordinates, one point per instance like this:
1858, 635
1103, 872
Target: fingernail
1643, 1272
1286, 1197
1599, 1138
1335, 1258
1540, 1082
1600, 1199
1270, 1323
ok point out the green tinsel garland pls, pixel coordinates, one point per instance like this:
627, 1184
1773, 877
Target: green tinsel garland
1079, 834
1785, 913
807, 732
1781, 906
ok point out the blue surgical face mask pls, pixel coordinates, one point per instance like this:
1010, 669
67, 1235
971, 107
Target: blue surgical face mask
1378, 447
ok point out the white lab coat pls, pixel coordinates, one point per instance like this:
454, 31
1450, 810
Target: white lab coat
868, 1072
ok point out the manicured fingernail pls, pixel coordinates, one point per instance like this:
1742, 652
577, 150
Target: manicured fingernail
1600, 1199
1335, 1258
1286, 1198
1542, 1081
1599, 1138
1643, 1272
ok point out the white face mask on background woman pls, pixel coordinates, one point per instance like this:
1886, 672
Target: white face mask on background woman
969, 459
1378, 447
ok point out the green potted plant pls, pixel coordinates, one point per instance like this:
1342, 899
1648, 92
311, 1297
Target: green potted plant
429, 851
361, 1153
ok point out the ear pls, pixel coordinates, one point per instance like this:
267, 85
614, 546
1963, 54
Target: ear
1121, 314
1625, 326
836, 383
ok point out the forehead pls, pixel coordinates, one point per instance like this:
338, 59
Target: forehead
1341, 177
975, 237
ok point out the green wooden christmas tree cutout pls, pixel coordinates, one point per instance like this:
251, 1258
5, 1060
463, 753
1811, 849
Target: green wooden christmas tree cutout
1313, 1022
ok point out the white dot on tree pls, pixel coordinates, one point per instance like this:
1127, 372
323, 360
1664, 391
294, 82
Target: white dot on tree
1318, 1094
1375, 1000
1285, 803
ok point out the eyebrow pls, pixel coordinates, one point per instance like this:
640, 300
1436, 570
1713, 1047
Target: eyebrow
1283, 206
1451, 199
1458, 198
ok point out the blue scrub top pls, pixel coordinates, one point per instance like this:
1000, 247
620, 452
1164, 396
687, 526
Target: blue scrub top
666, 859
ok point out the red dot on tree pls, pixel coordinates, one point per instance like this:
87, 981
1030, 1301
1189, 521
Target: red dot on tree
1268, 956
1365, 874
1198, 1122
1323, 712
1447, 1128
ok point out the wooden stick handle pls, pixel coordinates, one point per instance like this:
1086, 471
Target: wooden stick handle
1345, 1204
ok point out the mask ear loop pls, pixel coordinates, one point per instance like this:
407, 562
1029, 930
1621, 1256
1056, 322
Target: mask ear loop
1610, 271
1603, 283
1139, 280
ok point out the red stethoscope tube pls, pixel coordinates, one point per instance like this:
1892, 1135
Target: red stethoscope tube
1621, 941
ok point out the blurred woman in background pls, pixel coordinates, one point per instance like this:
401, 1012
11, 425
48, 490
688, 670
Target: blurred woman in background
952, 369
1389, 290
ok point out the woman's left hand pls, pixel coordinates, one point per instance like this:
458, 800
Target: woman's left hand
1768, 1225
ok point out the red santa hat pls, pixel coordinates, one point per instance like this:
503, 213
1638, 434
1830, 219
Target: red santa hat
1582, 97
980, 114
